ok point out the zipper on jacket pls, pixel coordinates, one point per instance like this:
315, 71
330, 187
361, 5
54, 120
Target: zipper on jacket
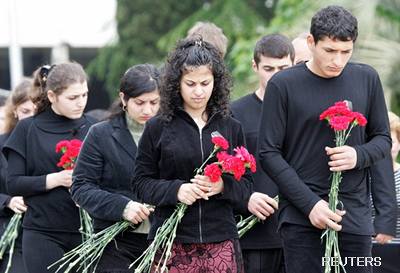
202, 159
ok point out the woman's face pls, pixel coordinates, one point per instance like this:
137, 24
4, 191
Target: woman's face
25, 110
143, 107
71, 102
395, 145
196, 88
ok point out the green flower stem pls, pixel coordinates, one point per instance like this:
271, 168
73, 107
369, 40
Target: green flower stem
246, 224
89, 252
8, 238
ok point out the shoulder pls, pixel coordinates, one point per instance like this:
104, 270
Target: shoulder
101, 128
242, 102
288, 74
362, 68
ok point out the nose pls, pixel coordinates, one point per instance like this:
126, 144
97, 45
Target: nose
147, 109
82, 102
338, 60
198, 91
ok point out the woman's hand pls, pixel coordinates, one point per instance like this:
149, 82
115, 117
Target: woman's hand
261, 205
188, 193
59, 179
136, 213
17, 204
205, 184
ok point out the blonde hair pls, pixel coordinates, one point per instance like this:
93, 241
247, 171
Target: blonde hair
210, 33
17, 97
394, 121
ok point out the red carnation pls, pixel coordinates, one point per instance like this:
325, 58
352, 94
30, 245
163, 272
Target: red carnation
340, 123
360, 119
246, 157
63, 144
235, 166
213, 172
219, 141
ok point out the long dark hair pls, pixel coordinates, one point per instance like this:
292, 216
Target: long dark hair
137, 80
194, 53
56, 78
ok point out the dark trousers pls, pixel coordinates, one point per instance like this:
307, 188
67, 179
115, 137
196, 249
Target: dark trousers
40, 249
304, 250
121, 252
263, 260
17, 264
389, 256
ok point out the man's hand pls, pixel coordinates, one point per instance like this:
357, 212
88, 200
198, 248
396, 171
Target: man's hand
383, 238
261, 205
341, 158
322, 217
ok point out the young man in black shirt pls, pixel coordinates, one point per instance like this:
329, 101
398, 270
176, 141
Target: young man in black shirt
262, 247
295, 148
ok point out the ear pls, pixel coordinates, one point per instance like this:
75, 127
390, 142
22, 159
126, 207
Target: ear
121, 96
254, 66
310, 42
51, 96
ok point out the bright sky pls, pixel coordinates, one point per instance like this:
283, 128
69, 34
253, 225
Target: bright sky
45, 23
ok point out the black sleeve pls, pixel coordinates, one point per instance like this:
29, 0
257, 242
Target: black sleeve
86, 178
272, 134
238, 192
4, 197
384, 196
378, 134
18, 183
147, 184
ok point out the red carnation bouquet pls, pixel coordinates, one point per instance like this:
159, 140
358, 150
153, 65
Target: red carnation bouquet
235, 165
70, 150
342, 120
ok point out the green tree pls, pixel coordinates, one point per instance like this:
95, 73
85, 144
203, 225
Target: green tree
140, 24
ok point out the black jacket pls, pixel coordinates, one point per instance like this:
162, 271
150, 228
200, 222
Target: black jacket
31, 155
104, 171
168, 154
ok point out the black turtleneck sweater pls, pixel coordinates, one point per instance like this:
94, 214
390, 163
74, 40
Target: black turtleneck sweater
31, 155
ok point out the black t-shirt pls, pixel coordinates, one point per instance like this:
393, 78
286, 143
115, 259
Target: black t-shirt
263, 235
292, 141
31, 155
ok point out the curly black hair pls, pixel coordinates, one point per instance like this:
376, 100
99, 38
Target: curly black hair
334, 22
191, 53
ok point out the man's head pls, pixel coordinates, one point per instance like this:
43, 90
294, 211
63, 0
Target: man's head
210, 33
302, 52
333, 33
272, 53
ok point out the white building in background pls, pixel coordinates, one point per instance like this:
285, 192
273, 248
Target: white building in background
33, 32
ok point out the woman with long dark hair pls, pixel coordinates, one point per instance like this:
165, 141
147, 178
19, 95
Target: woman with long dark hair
103, 174
18, 107
194, 103
51, 223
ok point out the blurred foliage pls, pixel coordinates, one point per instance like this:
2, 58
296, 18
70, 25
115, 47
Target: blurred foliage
148, 29
140, 24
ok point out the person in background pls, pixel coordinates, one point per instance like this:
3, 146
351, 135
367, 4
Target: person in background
210, 33
194, 103
51, 223
303, 53
18, 107
102, 177
386, 247
3, 100
262, 246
